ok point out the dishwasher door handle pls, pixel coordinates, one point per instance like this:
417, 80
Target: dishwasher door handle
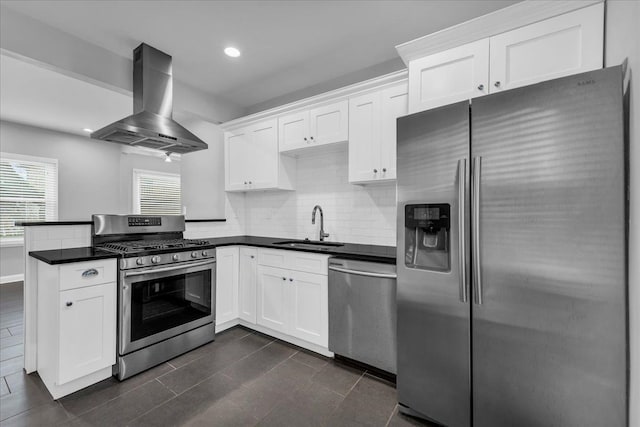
364, 273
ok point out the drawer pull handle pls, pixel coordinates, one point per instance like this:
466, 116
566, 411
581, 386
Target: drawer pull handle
69, 303
90, 272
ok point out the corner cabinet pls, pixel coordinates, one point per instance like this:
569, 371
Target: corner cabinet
566, 44
252, 160
227, 269
247, 284
372, 134
323, 125
76, 324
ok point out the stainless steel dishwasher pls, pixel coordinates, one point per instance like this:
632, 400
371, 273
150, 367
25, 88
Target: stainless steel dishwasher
362, 312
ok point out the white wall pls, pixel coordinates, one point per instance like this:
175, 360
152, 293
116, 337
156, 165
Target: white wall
623, 41
352, 213
93, 176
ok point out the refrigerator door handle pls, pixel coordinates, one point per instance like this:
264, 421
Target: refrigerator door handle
462, 232
475, 217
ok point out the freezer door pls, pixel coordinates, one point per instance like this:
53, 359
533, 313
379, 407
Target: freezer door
549, 336
432, 298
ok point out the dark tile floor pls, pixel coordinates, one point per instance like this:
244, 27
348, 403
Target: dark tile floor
242, 379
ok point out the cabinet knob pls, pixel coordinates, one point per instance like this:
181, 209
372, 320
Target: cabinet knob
284, 278
245, 183
249, 182
69, 303
290, 279
311, 137
497, 84
375, 171
305, 138
480, 87
252, 256
384, 169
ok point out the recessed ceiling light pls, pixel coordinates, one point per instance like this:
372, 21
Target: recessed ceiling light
87, 130
232, 52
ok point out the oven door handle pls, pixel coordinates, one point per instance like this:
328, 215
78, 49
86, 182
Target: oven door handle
172, 268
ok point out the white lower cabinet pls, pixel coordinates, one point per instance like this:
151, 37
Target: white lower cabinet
247, 284
294, 302
76, 324
308, 307
227, 270
272, 298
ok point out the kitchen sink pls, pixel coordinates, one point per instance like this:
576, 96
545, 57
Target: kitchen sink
309, 244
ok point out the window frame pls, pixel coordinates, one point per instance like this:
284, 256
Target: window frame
51, 198
137, 173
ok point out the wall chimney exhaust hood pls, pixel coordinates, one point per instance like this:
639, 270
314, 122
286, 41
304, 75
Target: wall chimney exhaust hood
151, 124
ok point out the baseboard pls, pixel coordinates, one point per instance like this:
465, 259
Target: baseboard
11, 278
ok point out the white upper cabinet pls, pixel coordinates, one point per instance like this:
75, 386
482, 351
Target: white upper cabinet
327, 124
567, 44
252, 160
372, 133
450, 76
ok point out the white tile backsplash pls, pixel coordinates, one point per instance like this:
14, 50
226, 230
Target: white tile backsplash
352, 213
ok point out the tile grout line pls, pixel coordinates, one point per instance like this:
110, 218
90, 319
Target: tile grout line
393, 411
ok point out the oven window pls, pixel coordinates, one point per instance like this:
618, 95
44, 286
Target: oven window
161, 304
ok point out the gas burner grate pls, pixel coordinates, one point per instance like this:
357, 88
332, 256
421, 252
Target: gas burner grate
145, 245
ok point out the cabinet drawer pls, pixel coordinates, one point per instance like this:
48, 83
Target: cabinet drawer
89, 273
307, 262
294, 260
272, 258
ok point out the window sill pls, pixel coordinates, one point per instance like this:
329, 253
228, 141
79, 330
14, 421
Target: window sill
11, 243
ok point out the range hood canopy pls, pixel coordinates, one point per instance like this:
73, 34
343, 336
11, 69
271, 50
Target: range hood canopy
151, 125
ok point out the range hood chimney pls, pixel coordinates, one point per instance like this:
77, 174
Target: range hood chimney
151, 124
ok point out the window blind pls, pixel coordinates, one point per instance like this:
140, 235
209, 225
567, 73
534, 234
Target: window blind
28, 192
156, 193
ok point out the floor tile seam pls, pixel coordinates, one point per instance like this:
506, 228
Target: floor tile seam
219, 371
14, 345
164, 402
273, 367
3, 420
11, 310
4, 378
393, 411
355, 384
163, 385
112, 399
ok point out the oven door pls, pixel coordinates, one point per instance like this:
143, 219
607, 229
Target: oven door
157, 303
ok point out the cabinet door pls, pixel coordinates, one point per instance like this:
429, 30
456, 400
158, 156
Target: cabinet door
567, 44
394, 101
450, 76
308, 307
247, 284
330, 123
87, 341
293, 131
365, 131
273, 308
237, 157
264, 156
226, 284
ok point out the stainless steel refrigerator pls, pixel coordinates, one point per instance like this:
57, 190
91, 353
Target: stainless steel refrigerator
512, 255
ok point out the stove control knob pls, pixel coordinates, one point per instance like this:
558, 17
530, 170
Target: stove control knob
194, 254
139, 261
155, 259
175, 257
205, 253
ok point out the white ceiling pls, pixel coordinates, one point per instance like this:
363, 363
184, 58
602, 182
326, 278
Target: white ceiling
286, 45
41, 97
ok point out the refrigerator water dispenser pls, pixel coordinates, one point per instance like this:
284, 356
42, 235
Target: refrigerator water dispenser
427, 236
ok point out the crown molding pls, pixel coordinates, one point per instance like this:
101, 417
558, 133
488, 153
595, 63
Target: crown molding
323, 98
500, 21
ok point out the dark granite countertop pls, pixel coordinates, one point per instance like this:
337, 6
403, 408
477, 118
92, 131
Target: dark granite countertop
64, 256
375, 253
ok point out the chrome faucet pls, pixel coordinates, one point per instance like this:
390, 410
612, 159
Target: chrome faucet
313, 221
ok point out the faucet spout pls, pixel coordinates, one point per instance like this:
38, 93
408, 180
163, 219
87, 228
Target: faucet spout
313, 221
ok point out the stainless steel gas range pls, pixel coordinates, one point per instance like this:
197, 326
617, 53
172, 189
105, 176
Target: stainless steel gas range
166, 288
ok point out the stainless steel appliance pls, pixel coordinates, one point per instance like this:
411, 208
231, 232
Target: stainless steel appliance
362, 312
512, 288
151, 125
166, 288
